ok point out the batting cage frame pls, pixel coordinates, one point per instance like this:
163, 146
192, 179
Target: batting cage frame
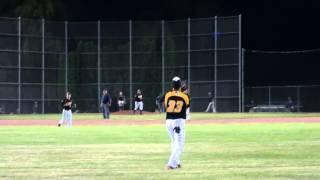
40, 60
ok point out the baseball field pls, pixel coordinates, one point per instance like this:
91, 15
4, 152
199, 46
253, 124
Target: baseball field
218, 146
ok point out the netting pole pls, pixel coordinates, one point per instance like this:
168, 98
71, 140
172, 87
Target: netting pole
242, 79
189, 47
130, 62
298, 98
215, 60
19, 65
162, 57
66, 55
269, 94
240, 66
43, 65
99, 63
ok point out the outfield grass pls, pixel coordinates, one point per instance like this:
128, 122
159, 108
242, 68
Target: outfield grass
156, 116
254, 151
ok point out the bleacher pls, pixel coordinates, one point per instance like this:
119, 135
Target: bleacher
270, 108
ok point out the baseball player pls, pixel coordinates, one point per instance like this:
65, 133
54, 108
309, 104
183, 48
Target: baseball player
66, 112
176, 104
105, 104
159, 103
121, 101
138, 102
211, 105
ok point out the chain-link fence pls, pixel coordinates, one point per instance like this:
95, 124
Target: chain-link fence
40, 60
304, 98
265, 64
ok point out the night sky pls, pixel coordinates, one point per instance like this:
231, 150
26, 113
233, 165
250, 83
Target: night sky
267, 25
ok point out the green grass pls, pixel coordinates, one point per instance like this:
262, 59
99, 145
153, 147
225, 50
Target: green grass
253, 151
195, 116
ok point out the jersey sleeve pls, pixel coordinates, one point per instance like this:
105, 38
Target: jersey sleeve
188, 101
166, 99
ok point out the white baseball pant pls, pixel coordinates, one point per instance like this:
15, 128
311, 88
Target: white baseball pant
176, 132
138, 105
212, 107
66, 117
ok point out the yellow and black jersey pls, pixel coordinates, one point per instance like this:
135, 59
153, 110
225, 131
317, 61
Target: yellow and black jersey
176, 103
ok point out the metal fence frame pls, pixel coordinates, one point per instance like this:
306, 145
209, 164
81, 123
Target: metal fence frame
216, 49
305, 97
272, 97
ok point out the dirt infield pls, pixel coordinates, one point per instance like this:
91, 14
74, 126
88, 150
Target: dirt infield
130, 112
158, 122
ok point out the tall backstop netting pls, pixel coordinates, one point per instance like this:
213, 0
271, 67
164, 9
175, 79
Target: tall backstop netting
294, 82
40, 60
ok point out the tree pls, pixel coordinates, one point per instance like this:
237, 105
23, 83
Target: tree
39, 8
7, 7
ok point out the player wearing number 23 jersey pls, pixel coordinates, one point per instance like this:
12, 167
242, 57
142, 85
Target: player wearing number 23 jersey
176, 103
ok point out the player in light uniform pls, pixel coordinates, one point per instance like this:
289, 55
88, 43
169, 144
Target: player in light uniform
176, 104
138, 102
66, 112
121, 101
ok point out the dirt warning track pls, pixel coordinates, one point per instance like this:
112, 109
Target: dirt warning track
158, 122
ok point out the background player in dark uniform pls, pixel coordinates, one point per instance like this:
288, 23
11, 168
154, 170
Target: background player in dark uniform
290, 105
105, 104
121, 101
159, 103
176, 104
138, 102
66, 112
211, 105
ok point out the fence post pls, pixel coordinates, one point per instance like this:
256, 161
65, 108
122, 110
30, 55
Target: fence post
269, 95
99, 63
215, 60
240, 65
19, 65
162, 57
130, 62
43, 64
189, 48
242, 80
298, 98
66, 55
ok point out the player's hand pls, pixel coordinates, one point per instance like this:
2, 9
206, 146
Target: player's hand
188, 116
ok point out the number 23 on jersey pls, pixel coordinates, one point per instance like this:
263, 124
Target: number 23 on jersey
174, 106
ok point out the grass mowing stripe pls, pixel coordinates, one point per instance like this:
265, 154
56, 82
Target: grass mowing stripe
146, 160
156, 134
259, 151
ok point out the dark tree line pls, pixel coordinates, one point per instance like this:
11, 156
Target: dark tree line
49, 9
